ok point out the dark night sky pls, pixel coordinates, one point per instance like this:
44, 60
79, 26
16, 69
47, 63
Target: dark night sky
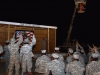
85, 28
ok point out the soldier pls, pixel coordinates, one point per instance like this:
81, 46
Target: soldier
96, 50
93, 67
55, 67
70, 55
81, 59
61, 58
44, 43
14, 55
83, 54
80, 50
41, 63
89, 54
75, 67
92, 50
26, 55
7, 55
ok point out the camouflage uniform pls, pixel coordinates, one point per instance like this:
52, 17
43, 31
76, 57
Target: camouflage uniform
14, 55
26, 55
92, 67
61, 58
85, 57
96, 73
7, 56
33, 41
41, 64
56, 67
75, 68
69, 59
81, 59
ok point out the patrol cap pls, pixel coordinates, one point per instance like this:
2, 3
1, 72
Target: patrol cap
55, 55
56, 48
76, 52
94, 55
76, 56
70, 50
43, 51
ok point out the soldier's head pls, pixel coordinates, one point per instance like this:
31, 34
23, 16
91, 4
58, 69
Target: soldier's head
56, 50
70, 51
54, 56
7, 42
43, 52
82, 51
94, 57
91, 51
12, 40
26, 41
75, 56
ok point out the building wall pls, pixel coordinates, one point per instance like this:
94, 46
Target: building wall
7, 31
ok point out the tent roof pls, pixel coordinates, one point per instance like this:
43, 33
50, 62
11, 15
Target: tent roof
25, 24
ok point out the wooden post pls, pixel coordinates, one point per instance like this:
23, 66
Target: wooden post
48, 39
8, 32
15, 27
55, 37
33, 29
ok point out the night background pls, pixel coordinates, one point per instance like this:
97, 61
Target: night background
86, 26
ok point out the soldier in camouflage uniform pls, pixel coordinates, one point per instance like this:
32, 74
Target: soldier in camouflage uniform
79, 50
41, 63
93, 67
26, 55
7, 55
96, 73
14, 55
70, 55
75, 67
55, 67
61, 58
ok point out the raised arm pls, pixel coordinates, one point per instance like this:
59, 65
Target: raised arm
33, 41
20, 39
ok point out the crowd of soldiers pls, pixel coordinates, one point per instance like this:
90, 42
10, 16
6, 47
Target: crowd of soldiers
77, 62
16, 58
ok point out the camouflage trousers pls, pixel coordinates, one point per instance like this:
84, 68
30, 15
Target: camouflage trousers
6, 63
14, 62
26, 65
